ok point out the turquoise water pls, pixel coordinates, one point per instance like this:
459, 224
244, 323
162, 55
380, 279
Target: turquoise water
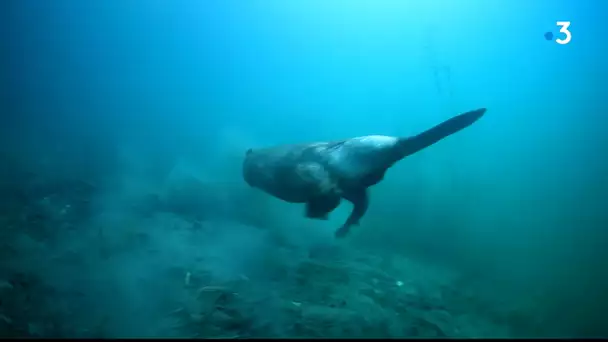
125, 125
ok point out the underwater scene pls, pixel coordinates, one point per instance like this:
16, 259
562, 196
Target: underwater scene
303, 169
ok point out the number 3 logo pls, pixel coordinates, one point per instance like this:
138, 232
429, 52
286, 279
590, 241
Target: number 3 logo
564, 29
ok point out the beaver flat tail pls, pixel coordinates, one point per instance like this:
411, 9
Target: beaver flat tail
411, 145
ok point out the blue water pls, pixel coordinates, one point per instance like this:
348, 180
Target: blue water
125, 123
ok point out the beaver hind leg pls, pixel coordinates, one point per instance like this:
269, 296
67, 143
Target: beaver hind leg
360, 200
320, 207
